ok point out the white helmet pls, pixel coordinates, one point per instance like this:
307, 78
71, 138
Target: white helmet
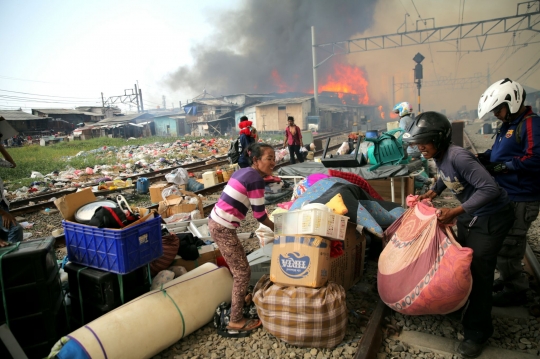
501, 91
403, 109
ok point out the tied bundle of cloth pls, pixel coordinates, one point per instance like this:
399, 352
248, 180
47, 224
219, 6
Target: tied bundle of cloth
422, 269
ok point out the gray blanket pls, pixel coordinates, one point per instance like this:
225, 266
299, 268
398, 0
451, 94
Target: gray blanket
307, 168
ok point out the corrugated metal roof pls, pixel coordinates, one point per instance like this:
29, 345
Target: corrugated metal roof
284, 101
64, 111
211, 102
19, 116
121, 119
169, 114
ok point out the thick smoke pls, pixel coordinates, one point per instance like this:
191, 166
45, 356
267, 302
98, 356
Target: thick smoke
266, 36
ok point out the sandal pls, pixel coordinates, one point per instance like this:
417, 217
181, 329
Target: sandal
248, 326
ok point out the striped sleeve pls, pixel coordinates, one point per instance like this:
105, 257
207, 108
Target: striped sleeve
255, 194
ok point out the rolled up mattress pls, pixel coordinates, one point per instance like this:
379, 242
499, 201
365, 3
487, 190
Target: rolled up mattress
154, 321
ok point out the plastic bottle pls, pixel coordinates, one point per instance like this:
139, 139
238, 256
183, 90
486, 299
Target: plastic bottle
129, 182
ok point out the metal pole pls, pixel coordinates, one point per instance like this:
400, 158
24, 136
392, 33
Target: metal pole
102, 100
393, 93
137, 98
140, 95
419, 84
315, 84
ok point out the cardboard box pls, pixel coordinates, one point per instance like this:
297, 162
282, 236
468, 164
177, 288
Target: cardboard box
172, 205
347, 269
355, 264
300, 261
158, 187
207, 254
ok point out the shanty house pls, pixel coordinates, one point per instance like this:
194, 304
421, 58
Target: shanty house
247, 99
247, 110
204, 115
108, 112
66, 120
26, 123
172, 124
136, 125
272, 115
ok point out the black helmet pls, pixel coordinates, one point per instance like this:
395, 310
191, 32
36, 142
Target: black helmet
428, 127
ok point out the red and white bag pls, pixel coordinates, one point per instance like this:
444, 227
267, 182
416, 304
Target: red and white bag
422, 269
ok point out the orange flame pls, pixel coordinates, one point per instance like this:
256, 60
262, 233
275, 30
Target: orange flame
278, 82
347, 79
381, 112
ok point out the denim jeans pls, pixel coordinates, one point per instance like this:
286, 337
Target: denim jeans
12, 234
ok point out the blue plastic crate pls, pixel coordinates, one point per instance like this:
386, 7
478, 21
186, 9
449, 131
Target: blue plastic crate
115, 250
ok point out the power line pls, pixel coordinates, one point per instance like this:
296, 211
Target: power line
416, 9
529, 69
68, 97
14, 78
37, 100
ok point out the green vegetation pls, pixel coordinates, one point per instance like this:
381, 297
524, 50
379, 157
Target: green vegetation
60, 156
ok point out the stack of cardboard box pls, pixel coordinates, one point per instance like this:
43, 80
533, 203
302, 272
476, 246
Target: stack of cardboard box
301, 251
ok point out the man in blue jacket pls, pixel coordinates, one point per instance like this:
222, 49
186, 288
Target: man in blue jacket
514, 162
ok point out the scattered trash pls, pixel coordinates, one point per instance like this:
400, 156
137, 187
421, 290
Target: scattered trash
26, 225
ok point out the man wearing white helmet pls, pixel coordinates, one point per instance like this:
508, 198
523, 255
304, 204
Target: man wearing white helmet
514, 162
404, 111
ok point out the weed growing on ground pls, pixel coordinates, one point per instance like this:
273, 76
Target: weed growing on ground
62, 156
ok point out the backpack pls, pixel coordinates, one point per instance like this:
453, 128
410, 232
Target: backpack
235, 149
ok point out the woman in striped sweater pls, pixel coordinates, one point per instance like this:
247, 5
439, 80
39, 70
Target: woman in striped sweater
245, 189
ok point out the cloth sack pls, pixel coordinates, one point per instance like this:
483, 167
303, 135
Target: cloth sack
422, 269
170, 249
305, 317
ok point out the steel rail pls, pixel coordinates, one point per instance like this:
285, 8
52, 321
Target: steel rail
206, 191
152, 176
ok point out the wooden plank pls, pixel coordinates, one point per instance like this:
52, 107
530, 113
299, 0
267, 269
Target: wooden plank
371, 341
383, 187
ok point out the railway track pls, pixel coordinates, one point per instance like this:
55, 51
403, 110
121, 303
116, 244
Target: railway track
24, 206
371, 342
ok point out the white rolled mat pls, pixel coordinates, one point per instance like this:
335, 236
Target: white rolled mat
154, 321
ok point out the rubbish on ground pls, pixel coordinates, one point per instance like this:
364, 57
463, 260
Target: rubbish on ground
26, 225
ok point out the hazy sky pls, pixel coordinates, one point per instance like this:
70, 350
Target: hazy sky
71, 51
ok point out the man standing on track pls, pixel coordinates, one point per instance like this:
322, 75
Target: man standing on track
514, 162
293, 138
